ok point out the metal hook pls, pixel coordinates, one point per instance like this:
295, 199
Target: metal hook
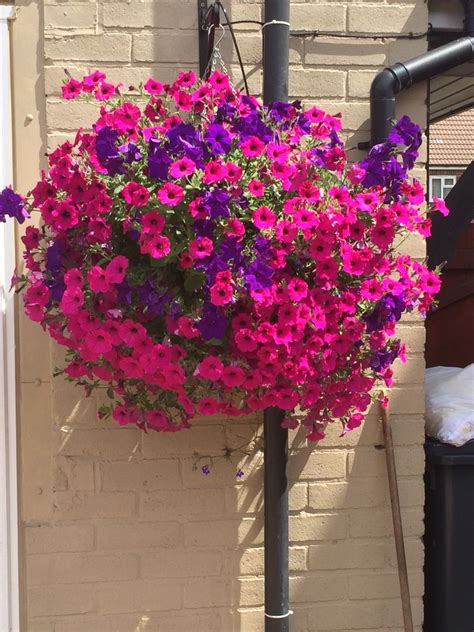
222, 35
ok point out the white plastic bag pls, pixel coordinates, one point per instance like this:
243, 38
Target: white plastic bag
450, 404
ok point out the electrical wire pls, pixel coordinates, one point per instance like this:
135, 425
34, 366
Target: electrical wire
361, 35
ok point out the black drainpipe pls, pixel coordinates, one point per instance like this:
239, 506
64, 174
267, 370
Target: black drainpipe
275, 88
396, 78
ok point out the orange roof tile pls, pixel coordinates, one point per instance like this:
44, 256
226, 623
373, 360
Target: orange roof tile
452, 140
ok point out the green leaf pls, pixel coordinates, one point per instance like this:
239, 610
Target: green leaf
194, 281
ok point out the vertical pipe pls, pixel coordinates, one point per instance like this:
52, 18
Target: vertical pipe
276, 522
275, 88
276, 46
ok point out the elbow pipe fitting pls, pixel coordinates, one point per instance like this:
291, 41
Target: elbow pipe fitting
396, 78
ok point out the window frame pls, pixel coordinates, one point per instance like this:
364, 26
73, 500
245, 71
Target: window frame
443, 177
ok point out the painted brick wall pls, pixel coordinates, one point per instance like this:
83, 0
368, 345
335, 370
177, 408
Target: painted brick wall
119, 532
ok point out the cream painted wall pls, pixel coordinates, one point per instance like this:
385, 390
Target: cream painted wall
119, 532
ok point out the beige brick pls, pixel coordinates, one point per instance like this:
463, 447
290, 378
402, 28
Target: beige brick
322, 587
69, 568
393, 612
165, 46
407, 400
70, 16
135, 535
363, 493
386, 19
339, 53
173, 562
145, 475
74, 475
401, 50
83, 505
415, 553
315, 464
345, 555
413, 372
224, 533
321, 17
199, 439
139, 596
251, 592
340, 615
208, 593
359, 82
410, 461
408, 430
245, 499
305, 528
379, 523
412, 491
317, 83
113, 443
71, 409
169, 505
160, 15
69, 599
58, 539
382, 585
251, 561
96, 48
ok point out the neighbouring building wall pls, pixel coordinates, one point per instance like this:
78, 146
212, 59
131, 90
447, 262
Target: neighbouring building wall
119, 532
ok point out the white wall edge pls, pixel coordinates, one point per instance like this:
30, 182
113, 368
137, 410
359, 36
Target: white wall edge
9, 563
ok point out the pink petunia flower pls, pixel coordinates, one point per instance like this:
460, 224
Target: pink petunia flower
98, 279
200, 248
153, 223
170, 194
153, 87
72, 301
252, 147
263, 217
135, 194
221, 293
117, 269
71, 89
182, 168
208, 406
232, 376
210, 368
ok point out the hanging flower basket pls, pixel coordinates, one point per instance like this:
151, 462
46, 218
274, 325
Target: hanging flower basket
200, 253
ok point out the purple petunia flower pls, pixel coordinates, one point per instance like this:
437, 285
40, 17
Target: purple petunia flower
107, 151
12, 205
158, 160
213, 323
218, 139
388, 309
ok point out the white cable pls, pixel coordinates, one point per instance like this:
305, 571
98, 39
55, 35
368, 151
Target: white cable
278, 616
275, 22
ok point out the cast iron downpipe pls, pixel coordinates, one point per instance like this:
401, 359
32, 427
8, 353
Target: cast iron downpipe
275, 88
396, 78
